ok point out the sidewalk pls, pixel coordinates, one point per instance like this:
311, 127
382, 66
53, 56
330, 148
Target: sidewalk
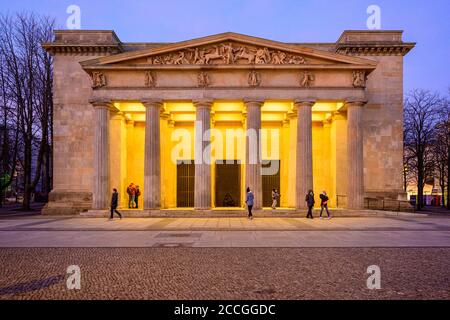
225, 232
15, 209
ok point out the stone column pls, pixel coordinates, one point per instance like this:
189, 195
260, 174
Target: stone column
152, 158
117, 155
355, 156
100, 192
292, 154
304, 172
202, 180
253, 178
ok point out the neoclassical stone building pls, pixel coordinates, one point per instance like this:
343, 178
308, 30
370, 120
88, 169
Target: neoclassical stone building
329, 117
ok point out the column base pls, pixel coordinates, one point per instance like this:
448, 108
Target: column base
387, 194
203, 209
64, 202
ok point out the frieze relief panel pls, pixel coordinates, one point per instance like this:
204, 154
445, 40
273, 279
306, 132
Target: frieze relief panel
229, 53
240, 78
150, 79
359, 79
98, 79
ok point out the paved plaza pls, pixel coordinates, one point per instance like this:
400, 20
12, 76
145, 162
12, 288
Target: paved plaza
225, 258
225, 232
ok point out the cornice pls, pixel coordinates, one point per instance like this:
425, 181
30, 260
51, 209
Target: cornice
228, 37
85, 49
374, 49
144, 67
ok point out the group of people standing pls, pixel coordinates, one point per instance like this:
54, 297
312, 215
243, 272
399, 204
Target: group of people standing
309, 199
133, 196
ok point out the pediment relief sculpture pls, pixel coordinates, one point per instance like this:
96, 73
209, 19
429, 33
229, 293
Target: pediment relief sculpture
228, 53
98, 79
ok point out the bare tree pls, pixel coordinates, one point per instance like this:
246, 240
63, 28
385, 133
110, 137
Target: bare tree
440, 156
27, 73
442, 148
408, 161
9, 136
420, 119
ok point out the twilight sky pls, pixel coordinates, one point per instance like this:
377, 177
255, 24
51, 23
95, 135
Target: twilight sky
426, 22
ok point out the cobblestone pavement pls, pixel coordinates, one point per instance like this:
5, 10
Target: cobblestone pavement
225, 273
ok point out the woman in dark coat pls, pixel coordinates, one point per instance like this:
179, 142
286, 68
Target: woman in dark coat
249, 202
310, 202
114, 204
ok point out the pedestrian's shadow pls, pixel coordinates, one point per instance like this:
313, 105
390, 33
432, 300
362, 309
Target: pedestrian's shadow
31, 286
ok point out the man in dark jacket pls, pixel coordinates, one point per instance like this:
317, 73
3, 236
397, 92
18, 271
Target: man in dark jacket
310, 202
114, 203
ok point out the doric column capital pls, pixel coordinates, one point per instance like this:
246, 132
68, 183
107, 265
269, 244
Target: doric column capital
203, 103
152, 103
355, 102
304, 102
253, 102
101, 103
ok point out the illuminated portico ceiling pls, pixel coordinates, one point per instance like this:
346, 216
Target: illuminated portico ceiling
229, 112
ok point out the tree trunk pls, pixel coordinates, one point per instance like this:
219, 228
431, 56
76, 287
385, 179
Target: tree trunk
420, 182
27, 175
442, 186
405, 181
448, 178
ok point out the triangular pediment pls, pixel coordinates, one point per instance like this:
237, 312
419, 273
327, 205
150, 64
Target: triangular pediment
228, 49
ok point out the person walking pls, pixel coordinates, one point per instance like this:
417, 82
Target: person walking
275, 198
249, 202
310, 202
136, 197
114, 203
324, 204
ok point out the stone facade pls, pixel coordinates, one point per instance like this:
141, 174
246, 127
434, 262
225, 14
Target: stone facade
338, 107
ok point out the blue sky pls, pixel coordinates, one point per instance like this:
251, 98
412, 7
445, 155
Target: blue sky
424, 22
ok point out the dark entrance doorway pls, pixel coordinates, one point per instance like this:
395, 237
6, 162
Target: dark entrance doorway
185, 184
270, 181
228, 183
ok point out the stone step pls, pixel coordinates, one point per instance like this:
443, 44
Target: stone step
279, 213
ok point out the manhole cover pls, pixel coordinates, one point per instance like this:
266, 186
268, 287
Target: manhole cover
178, 235
172, 245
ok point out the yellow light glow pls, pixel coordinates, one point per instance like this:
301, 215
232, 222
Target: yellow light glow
130, 107
184, 117
228, 107
176, 107
278, 142
267, 117
272, 106
324, 107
